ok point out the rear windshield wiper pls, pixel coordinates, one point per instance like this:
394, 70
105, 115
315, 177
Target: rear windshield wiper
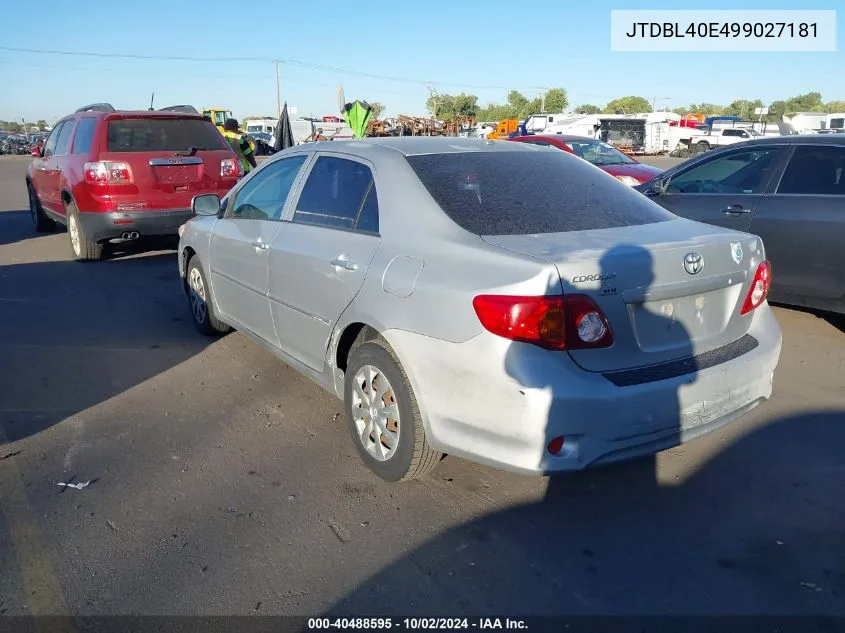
192, 150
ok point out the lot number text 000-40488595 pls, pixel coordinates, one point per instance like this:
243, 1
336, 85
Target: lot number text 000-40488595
723, 30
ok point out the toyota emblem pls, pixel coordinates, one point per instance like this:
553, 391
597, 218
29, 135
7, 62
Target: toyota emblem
693, 263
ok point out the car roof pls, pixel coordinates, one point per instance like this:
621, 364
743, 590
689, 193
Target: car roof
123, 114
798, 139
555, 137
417, 145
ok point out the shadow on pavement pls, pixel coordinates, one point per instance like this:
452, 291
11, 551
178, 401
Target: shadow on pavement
16, 226
77, 334
757, 529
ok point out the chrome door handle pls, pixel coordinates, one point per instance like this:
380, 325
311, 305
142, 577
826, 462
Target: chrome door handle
261, 245
735, 209
344, 263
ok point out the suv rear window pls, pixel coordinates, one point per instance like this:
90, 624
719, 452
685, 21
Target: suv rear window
162, 135
520, 193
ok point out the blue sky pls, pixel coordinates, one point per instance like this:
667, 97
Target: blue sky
484, 48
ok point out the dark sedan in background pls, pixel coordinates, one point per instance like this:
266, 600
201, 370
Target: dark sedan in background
601, 154
788, 190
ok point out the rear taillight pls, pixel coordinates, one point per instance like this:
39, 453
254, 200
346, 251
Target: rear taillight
553, 322
759, 288
230, 168
107, 173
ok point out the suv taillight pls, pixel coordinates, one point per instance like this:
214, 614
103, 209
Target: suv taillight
230, 168
759, 288
107, 173
554, 322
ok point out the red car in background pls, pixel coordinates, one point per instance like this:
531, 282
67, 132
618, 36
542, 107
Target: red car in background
599, 153
115, 176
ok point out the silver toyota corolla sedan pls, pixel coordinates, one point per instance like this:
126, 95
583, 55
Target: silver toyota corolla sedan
503, 302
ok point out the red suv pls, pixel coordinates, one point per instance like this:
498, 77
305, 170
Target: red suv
117, 176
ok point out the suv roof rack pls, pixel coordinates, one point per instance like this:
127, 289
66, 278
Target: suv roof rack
97, 107
180, 108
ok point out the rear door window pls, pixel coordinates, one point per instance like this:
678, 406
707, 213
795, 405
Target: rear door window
63, 141
50, 145
334, 194
163, 135
84, 136
521, 192
814, 171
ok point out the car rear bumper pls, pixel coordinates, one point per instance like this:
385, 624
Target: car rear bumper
104, 226
501, 403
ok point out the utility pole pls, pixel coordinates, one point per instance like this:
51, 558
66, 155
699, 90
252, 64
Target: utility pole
543, 101
278, 93
435, 98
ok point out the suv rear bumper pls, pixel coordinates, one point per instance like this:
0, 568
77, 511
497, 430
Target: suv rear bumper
105, 226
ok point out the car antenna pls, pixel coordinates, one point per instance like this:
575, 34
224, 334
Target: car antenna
151, 101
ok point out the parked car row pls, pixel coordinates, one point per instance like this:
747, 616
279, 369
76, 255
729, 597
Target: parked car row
446, 288
16, 144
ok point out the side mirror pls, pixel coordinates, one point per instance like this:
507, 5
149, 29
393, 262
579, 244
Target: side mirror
657, 187
206, 205
36, 151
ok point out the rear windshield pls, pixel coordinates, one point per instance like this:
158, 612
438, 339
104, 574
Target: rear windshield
162, 135
520, 193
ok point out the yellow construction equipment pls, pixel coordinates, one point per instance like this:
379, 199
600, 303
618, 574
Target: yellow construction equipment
218, 116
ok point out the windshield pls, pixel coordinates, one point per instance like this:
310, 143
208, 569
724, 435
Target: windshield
522, 193
162, 135
598, 153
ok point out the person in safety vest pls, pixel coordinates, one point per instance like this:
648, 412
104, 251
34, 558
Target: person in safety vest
239, 144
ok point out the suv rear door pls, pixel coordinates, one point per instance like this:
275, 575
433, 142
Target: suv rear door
55, 166
171, 158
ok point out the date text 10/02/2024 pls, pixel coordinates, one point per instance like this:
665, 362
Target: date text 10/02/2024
413, 624
723, 29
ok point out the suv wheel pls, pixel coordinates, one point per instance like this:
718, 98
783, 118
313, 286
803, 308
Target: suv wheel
83, 248
383, 416
40, 221
202, 308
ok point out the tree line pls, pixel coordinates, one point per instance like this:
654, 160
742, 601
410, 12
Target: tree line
518, 106
14, 127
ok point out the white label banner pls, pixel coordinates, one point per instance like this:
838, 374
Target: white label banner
723, 30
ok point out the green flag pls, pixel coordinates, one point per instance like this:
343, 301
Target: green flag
357, 115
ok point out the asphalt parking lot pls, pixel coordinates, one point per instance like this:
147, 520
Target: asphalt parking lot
222, 482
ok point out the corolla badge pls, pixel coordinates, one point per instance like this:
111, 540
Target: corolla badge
736, 252
693, 263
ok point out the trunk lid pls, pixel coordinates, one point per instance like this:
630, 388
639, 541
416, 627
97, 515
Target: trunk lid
657, 310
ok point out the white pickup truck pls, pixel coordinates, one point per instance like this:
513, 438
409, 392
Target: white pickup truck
721, 137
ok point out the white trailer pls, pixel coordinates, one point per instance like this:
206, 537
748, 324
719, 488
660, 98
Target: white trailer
261, 126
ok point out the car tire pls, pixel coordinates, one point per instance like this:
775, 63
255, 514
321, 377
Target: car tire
40, 221
202, 309
701, 147
82, 248
395, 448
